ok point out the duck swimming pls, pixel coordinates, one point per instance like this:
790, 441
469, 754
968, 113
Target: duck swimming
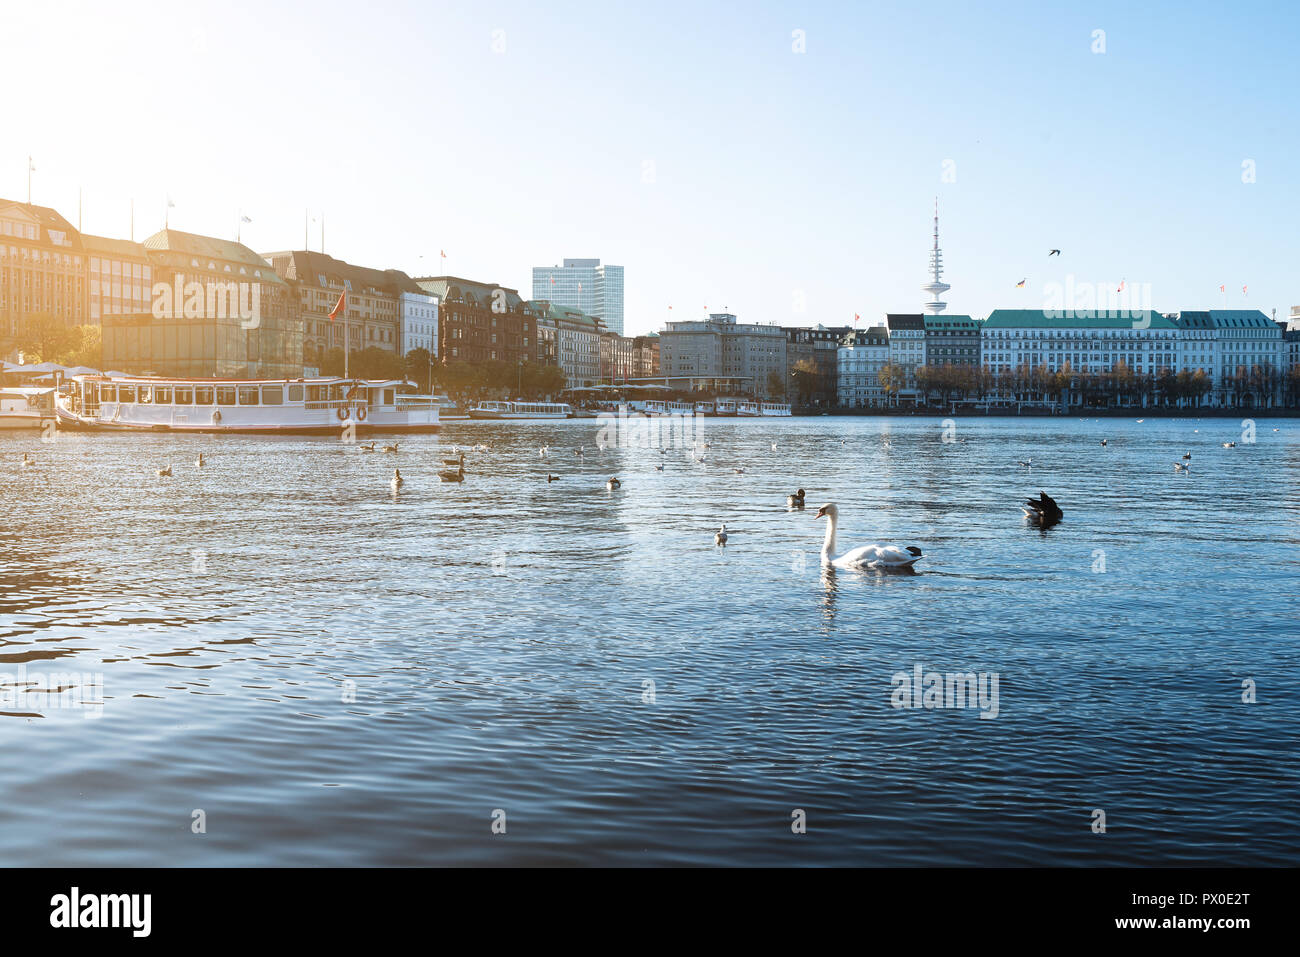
721, 537
1182, 467
795, 500
613, 483
1044, 511
875, 557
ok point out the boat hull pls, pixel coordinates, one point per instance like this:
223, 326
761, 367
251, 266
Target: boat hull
374, 425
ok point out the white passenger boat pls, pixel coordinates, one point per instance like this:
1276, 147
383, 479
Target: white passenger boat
724, 406
26, 407
747, 407
774, 408
662, 407
270, 406
704, 408
521, 410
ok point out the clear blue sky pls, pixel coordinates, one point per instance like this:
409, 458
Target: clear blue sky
774, 172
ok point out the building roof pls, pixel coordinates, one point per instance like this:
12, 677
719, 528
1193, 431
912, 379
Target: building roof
452, 289
1224, 319
206, 250
545, 309
49, 221
905, 320
953, 323
118, 247
308, 266
1083, 319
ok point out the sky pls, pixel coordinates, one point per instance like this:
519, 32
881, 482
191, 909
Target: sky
727, 161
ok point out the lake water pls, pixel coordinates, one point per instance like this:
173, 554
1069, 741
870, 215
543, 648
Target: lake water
334, 674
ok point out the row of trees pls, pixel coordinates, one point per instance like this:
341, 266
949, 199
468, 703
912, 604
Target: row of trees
1257, 386
46, 339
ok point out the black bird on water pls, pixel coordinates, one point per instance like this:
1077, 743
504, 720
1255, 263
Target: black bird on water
1044, 511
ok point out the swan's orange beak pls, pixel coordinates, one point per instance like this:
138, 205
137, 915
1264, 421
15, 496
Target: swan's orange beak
820, 512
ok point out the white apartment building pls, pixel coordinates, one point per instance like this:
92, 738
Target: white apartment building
417, 322
858, 364
906, 349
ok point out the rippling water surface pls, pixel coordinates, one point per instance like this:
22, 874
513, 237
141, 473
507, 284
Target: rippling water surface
337, 674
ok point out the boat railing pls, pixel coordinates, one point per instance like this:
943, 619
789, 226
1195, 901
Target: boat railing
416, 402
334, 403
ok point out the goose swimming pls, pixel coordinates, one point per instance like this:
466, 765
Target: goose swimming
391, 448
877, 557
1044, 511
795, 500
447, 475
367, 448
721, 537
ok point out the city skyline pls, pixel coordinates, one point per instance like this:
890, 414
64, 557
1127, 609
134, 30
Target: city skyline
1031, 138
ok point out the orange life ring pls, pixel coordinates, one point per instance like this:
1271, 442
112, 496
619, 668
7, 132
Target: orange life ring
343, 413
361, 413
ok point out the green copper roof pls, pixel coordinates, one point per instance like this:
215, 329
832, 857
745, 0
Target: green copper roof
1083, 319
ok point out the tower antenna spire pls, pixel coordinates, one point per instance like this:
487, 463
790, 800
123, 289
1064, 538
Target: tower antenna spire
936, 287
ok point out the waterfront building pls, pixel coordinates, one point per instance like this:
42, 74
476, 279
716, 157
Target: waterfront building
372, 313
738, 357
119, 277
42, 272
952, 340
242, 323
906, 352
585, 285
481, 321
814, 351
859, 359
645, 362
417, 322
617, 357
1241, 349
577, 338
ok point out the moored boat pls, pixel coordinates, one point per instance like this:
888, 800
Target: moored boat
747, 407
724, 406
774, 408
261, 406
521, 410
26, 407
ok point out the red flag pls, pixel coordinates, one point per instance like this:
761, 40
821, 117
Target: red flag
1221, 285
1243, 290
341, 305
856, 317
1121, 286
670, 307
442, 253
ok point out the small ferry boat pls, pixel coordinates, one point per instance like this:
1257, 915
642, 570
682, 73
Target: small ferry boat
747, 407
704, 408
521, 410
774, 408
662, 407
266, 406
724, 406
26, 407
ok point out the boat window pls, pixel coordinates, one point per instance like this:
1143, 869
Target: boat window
126, 393
203, 395
248, 395
146, 394
272, 395
316, 393
295, 393
184, 396
108, 393
226, 395
163, 395
388, 396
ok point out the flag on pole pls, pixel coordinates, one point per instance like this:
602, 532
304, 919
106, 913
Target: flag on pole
1243, 290
31, 167
856, 317
1121, 286
1221, 289
244, 219
442, 253
1021, 284
340, 306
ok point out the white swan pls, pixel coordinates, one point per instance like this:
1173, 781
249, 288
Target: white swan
883, 557
398, 481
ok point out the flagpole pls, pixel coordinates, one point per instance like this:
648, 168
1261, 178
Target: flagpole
30, 167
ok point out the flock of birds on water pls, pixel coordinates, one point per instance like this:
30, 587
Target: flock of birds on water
1042, 512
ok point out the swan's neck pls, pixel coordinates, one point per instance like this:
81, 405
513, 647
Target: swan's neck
828, 546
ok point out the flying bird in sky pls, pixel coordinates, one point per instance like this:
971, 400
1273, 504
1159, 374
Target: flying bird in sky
1054, 252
